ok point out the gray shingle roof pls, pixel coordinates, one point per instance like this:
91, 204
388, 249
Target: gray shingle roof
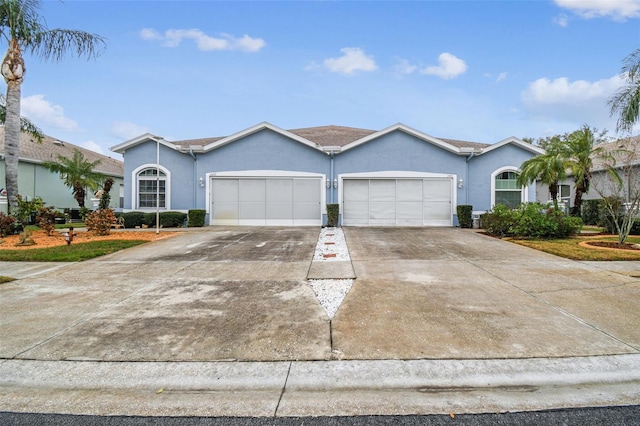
330, 136
50, 148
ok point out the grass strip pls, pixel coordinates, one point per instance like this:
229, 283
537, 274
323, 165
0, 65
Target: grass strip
72, 253
570, 248
4, 279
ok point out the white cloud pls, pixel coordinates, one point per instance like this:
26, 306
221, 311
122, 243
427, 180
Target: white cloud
561, 20
501, 76
449, 66
92, 146
354, 59
577, 101
616, 9
44, 113
125, 130
204, 42
405, 67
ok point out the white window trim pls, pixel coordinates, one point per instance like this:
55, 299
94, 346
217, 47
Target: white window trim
134, 189
524, 194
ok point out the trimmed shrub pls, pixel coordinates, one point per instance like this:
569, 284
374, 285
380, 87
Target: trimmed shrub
499, 221
333, 212
196, 218
132, 219
464, 215
167, 219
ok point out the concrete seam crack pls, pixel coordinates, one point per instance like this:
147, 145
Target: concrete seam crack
284, 388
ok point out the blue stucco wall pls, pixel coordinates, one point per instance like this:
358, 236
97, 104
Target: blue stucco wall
399, 151
481, 167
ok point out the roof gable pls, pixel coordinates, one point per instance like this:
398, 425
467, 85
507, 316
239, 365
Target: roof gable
514, 141
33, 152
406, 129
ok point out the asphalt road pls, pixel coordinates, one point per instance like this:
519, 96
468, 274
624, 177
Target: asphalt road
609, 416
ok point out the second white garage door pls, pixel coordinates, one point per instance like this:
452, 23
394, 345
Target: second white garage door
397, 202
258, 201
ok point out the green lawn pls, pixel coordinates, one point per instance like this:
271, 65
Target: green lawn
72, 253
570, 248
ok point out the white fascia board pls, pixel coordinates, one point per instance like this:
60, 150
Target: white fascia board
146, 137
515, 141
413, 132
253, 129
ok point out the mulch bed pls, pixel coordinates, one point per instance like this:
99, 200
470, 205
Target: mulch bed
611, 245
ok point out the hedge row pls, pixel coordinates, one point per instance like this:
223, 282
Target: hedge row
167, 219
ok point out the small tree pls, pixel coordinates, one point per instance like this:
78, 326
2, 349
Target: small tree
621, 182
77, 174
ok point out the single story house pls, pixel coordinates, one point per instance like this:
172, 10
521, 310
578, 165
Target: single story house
265, 175
626, 154
37, 181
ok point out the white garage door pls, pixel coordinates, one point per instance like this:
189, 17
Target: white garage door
266, 201
397, 202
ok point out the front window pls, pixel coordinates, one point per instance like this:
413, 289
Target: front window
151, 189
507, 190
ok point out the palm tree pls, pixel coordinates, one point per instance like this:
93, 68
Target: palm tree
26, 125
549, 168
77, 174
626, 101
580, 148
22, 27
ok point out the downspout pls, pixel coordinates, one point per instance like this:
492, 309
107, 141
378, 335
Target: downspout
331, 153
195, 178
466, 187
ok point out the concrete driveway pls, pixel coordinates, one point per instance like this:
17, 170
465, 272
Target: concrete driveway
241, 294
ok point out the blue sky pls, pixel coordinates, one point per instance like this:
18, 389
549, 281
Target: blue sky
472, 70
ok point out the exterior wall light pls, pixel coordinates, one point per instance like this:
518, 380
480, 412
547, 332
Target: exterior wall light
335, 183
201, 181
460, 183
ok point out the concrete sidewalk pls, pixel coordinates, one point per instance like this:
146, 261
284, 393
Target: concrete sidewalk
223, 322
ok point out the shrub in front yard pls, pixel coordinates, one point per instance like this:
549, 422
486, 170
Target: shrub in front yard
100, 221
333, 212
6, 224
196, 218
592, 212
530, 220
132, 219
464, 215
46, 219
167, 219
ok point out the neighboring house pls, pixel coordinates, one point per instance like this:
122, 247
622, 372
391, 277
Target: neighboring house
628, 153
265, 175
36, 181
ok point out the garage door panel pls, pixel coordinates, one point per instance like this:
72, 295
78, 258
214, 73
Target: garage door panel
437, 189
382, 190
356, 190
409, 190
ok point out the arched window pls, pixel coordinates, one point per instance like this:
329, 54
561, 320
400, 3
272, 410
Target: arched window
151, 188
505, 189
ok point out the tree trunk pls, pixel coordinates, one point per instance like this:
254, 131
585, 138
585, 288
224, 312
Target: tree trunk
553, 190
12, 143
12, 71
577, 200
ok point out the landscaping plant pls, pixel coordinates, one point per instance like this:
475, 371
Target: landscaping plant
100, 221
